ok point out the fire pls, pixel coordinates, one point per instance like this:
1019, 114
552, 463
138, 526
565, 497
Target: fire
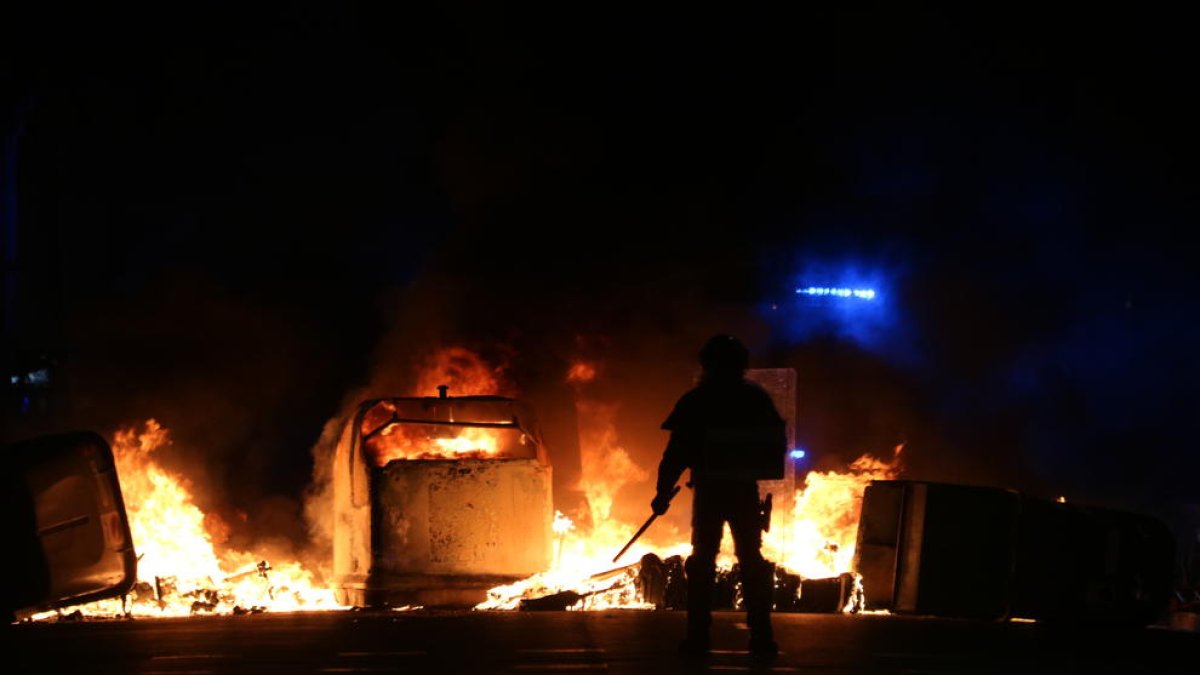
583, 564
421, 441
180, 570
815, 539
606, 466
462, 373
581, 372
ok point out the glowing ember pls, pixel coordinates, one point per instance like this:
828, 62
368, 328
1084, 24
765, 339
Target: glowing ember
180, 571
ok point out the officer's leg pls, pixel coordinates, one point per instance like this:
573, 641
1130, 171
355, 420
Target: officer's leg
707, 525
757, 573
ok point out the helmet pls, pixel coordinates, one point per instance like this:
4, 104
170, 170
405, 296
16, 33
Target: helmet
724, 353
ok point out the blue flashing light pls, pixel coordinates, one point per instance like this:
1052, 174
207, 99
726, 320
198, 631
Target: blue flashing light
798, 454
859, 293
847, 297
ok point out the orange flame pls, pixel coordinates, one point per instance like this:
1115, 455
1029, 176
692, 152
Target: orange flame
818, 538
581, 372
815, 539
180, 570
606, 466
584, 550
464, 373
418, 441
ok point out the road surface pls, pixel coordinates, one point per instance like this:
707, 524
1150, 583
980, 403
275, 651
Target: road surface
627, 641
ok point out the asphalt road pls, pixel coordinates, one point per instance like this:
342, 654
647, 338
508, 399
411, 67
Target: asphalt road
627, 641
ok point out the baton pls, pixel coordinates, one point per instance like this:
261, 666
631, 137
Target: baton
645, 525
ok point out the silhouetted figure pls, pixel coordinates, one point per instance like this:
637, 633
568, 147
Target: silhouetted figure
728, 432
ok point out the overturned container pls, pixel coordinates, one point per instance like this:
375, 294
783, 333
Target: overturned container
438, 499
64, 521
967, 551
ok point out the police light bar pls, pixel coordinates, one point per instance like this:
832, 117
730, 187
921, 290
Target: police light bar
860, 293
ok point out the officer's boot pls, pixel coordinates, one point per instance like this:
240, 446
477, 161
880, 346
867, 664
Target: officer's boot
757, 590
701, 578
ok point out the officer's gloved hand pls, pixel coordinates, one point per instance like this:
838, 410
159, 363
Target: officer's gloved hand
660, 503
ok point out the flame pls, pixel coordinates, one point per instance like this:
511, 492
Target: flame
815, 539
419, 441
606, 466
581, 372
584, 547
180, 570
562, 524
463, 371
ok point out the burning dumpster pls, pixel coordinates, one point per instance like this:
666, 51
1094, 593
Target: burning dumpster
438, 499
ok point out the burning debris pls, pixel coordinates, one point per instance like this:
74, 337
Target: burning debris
818, 534
660, 584
811, 538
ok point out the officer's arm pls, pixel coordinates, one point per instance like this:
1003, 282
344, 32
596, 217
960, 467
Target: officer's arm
678, 455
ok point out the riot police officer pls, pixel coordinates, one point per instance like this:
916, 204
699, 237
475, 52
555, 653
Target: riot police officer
727, 431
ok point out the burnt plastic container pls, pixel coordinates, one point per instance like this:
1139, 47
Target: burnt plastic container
988, 553
937, 549
64, 519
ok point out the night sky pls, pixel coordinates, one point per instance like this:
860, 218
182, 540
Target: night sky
236, 220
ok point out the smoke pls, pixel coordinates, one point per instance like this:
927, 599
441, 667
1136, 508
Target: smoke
606, 466
318, 496
531, 330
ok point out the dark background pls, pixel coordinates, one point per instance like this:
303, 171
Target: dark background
237, 220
